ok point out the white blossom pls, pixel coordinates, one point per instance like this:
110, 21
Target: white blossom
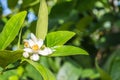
46, 51
26, 54
34, 48
34, 57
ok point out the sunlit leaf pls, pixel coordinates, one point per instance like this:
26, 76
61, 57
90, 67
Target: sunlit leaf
46, 74
58, 38
11, 29
14, 77
8, 57
68, 50
42, 22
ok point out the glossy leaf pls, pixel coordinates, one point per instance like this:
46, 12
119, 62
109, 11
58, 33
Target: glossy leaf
46, 74
68, 50
29, 71
11, 29
58, 38
42, 22
103, 74
8, 57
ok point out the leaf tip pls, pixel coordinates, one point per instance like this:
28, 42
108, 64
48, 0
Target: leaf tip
86, 53
24, 12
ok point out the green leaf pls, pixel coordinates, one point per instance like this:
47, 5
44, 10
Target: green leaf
29, 72
92, 74
68, 50
12, 3
103, 74
61, 10
58, 38
81, 3
28, 3
11, 29
83, 23
46, 74
66, 26
69, 72
8, 74
8, 57
112, 65
42, 23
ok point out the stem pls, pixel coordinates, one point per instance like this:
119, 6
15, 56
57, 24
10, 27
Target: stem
19, 38
15, 67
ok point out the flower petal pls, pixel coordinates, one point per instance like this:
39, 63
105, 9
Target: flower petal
26, 54
40, 43
31, 43
45, 52
34, 57
28, 50
33, 37
25, 40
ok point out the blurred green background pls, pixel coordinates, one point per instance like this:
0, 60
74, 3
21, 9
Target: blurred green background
97, 27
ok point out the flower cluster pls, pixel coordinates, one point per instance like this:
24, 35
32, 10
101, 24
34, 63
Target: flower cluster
34, 48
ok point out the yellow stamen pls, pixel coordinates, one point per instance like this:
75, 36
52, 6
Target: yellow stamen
26, 44
35, 47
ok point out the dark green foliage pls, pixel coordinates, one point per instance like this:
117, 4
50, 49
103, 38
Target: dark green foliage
96, 24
